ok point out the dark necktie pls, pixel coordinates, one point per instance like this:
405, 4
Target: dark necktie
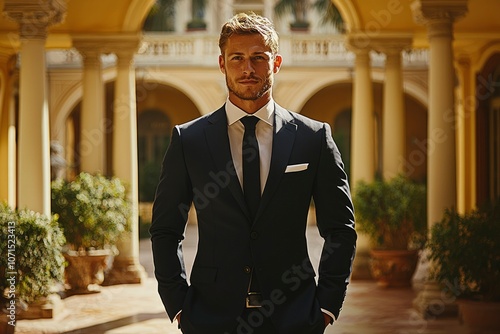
251, 165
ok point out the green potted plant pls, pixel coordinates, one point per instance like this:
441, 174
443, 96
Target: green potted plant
31, 265
465, 252
197, 22
393, 214
93, 212
299, 8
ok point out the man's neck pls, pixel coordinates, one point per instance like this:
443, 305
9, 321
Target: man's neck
249, 106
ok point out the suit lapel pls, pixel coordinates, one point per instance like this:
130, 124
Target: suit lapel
218, 143
284, 136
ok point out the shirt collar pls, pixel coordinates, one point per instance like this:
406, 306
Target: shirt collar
266, 113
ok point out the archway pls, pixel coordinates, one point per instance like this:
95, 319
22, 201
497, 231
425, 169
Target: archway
487, 131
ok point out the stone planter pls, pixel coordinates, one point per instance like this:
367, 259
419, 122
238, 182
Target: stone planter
480, 315
49, 307
85, 270
5, 327
393, 268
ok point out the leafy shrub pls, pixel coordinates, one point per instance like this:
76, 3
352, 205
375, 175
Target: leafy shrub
392, 213
466, 251
31, 244
93, 210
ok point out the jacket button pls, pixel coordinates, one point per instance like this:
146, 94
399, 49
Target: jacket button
254, 235
247, 270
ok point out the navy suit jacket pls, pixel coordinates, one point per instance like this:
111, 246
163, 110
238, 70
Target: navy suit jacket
198, 169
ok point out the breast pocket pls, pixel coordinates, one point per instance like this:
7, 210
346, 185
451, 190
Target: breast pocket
295, 168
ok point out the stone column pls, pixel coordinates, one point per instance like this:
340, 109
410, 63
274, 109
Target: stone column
466, 194
94, 125
363, 121
362, 143
8, 158
126, 266
441, 151
393, 118
33, 170
34, 17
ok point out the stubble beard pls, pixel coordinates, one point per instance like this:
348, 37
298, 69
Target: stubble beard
249, 95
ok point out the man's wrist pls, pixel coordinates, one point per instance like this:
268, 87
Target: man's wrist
328, 316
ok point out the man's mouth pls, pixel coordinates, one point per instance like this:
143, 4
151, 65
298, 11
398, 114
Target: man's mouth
248, 81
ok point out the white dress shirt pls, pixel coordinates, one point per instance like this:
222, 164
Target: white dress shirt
263, 131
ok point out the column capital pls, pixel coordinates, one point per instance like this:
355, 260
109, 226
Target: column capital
387, 42
91, 56
125, 50
428, 12
358, 42
123, 45
392, 44
35, 16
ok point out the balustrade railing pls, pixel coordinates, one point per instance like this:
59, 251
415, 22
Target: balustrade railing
203, 50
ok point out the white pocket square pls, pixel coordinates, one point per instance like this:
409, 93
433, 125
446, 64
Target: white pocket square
296, 168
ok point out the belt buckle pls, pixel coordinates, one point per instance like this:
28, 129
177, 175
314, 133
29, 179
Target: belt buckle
254, 300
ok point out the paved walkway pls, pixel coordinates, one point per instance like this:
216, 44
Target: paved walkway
137, 309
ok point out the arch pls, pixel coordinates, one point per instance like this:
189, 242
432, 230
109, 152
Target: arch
413, 87
349, 14
69, 101
136, 14
206, 99
317, 107
172, 102
486, 154
485, 56
153, 137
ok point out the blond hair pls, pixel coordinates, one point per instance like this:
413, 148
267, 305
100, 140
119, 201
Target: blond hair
249, 23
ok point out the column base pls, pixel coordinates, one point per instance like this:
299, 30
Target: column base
422, 272
125, 271
433, 302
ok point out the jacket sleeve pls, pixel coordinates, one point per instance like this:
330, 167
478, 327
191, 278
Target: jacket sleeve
170, 210
335, 220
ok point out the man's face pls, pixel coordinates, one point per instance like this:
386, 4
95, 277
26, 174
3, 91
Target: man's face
249, 67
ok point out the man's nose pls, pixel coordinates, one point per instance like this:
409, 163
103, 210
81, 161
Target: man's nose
248, 67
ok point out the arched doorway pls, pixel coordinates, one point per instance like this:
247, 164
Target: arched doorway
488, 131
159, 108
153, 137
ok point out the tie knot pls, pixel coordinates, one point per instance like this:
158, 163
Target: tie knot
249, 122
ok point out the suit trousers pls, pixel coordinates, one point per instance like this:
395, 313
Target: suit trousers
252, 321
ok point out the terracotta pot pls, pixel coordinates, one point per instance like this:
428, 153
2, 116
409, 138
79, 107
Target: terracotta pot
480, 315
5, 328
85, 271
393, 268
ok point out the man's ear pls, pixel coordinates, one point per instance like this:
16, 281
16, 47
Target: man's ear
222, 66
277, 63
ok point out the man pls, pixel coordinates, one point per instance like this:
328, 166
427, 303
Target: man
252, 272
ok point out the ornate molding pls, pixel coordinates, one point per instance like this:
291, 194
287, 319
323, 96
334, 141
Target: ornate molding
392, 44
91, 46
34, 16
426, 12
382, 43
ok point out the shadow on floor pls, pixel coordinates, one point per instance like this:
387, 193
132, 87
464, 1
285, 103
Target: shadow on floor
104, 328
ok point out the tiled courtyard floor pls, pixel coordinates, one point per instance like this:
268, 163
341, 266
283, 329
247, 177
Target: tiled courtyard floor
137, 309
